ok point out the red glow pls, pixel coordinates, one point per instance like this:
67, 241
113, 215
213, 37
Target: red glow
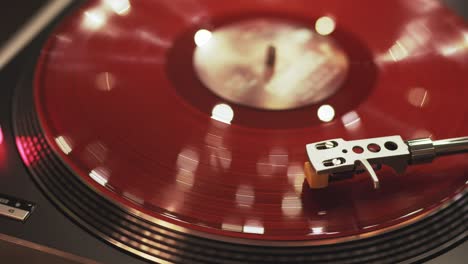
1, 135
2, 157
28, 149
2, 150
19, 145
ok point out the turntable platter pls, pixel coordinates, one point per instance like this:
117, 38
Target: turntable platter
119, 101
160, 126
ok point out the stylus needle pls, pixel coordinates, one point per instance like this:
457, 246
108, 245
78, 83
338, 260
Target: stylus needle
371, 172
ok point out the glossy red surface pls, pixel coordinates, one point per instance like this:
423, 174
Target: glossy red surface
118, 100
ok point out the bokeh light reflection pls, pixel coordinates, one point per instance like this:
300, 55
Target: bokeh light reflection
326, 113
202, 37
325, 25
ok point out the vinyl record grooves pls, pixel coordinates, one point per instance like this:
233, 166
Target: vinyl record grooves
129, 130
149, 240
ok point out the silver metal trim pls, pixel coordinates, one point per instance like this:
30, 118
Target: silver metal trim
422, 150
13, 212
451, 146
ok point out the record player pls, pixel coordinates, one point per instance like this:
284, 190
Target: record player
202, 131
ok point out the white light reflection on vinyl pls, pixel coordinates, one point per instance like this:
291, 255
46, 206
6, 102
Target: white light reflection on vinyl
275, 162
100, 175
153, 38
421, 133
264, 167
279, 157
105, 81
64, 144
413, 42
231, 227
317, 230
449, 51
184, 178
94, 19
326, 113
188, 160
202, 37
418, 97
325, 25
222, 113
351, 120
133, 198
295, 170
63, 38
97, 152
220, 158
120, 7
296, 176
398, 51
458, 196
291, 205
412, 213
245, 196
214, 140
455, 49
187, 163
370, 226
254, 227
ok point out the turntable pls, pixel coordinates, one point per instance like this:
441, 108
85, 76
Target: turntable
202, 131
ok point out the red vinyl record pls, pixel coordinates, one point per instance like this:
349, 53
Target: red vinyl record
196, 114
